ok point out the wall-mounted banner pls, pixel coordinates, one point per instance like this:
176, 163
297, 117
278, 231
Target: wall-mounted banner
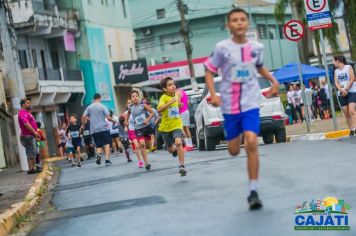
130, 71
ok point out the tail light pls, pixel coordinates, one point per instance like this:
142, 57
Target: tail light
277, 117
216, 123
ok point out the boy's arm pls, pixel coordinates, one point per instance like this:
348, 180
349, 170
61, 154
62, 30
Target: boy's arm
275, 85
127, 118
209, 80
352, 78
161, 108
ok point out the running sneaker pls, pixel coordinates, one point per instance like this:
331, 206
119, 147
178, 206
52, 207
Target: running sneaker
175, 153
129, 160
79, 165
253, 200
73, 164
98, 159
31, 172
81, 159
189, 148
121, 149
153, 149
148, 166
108, 163
140, 164
352, 133
182, 171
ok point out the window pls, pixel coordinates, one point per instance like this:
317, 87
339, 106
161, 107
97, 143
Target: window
34, 58
23, 59
172, 42
161, 13
262, 31
281, 31
272, 34
146, 47
55, 60
124, 8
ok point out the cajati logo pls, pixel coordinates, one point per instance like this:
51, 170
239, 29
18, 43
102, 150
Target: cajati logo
328, 214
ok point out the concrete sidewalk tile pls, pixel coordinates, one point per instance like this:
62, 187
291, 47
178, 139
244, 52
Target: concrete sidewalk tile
9, 218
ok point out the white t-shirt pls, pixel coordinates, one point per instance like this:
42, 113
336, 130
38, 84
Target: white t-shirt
343, 76
240, 90
113, 127
290, 98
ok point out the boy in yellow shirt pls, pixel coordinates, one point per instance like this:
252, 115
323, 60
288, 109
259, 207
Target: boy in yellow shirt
171, 125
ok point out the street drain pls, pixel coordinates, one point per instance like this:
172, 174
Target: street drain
104, 207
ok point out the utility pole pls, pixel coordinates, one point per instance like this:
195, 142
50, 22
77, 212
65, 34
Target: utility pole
13, 75
188, 47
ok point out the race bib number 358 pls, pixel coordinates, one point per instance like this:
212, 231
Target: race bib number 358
242, 72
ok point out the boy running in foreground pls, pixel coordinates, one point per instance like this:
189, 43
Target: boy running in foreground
239, 61
171, 125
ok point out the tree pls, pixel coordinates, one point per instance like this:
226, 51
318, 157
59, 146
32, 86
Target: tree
298, 11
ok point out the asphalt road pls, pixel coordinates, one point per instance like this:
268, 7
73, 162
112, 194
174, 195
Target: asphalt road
210, 200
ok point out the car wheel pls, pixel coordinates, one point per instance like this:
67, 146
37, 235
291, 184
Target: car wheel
267, 138
210, 143
280, 135
200, 142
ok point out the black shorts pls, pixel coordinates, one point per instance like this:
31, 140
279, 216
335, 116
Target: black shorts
343, 100
63, 145
125, 142
88, 140
102, 138
115, 135
351, 98
144, 132
77, 142
170, 137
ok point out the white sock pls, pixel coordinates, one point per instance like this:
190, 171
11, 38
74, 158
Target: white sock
190, 141
186, 141
253, 185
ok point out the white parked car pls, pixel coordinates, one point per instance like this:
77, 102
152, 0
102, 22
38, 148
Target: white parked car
210, 121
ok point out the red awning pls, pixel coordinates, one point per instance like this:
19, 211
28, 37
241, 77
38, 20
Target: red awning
176, 64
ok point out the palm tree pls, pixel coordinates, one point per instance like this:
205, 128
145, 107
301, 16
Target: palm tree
298, 11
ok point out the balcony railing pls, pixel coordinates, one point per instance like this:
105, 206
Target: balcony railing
49, 74
72, 75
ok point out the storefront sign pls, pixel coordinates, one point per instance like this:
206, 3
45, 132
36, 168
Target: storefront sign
130, 71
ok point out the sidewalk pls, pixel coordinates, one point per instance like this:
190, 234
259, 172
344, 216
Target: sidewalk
14, 186
317, 126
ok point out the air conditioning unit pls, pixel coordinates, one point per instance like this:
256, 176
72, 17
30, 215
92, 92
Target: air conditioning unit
147, 31
153, 62
165, 59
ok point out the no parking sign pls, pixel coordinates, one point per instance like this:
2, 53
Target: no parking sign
294, 30
318, 14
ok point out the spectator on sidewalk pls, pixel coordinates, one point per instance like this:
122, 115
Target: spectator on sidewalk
29, 134
298, 102
317, 102
62, 139
291, 104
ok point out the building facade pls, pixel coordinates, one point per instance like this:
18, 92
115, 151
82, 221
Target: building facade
106, 37
158, 39
46, 41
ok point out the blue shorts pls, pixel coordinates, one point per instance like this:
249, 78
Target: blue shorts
236, 124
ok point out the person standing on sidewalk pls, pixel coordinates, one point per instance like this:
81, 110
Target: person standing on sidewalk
97, 113
240, 59
346, 86
62, 140
29, 134
291, 103
183, 102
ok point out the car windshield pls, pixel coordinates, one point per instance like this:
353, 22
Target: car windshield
264, 83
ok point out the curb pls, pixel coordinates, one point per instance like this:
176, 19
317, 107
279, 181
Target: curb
319, 136
9, 219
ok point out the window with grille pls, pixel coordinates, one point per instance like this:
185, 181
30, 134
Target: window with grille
161, 13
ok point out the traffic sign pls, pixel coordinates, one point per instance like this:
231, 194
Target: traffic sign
318, 14
294, 30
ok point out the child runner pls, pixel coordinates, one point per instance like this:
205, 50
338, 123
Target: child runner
239, 60
171, 125
114, 132
153, 123
88, 140
62, 139
70, 151
185, 115
143, 130
124, 138
73, 133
